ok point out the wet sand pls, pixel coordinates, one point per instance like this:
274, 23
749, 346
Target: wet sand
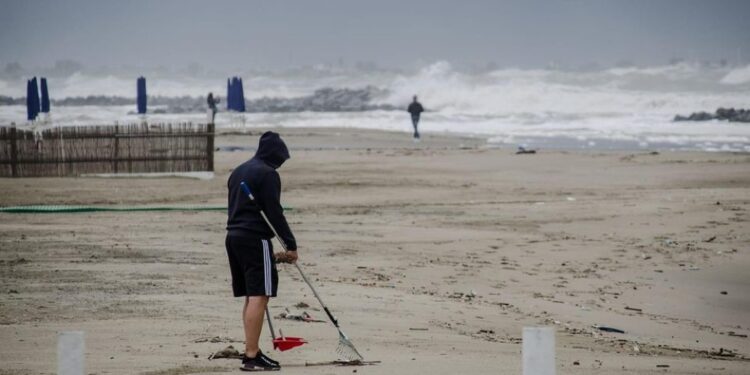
432, 255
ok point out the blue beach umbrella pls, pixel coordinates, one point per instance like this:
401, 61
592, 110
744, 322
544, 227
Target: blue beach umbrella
45, 96
29, 102
240, 96
141, 100
35, 96
235, 94
229, 95
32, 99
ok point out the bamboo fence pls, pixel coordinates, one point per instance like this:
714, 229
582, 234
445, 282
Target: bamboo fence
131, 148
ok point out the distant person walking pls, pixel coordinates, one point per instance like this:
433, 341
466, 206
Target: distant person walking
415, 108
212, 102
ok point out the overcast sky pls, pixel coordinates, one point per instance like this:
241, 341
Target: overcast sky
281, 34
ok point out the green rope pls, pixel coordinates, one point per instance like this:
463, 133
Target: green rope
43, 209
54, 209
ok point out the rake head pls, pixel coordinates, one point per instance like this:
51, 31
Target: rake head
347, 350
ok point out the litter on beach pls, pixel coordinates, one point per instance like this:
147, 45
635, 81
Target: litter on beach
301, 317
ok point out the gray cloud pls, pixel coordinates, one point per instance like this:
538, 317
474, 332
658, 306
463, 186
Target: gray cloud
281, 34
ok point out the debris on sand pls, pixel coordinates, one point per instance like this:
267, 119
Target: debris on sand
302, 317
724, 353
186, 369
522, 150
302, 305
463, 296
491, 336
215, 339
661, 350
343, 363
229, 352
609, 329
14, 262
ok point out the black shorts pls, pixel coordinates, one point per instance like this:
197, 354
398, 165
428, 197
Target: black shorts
253, 266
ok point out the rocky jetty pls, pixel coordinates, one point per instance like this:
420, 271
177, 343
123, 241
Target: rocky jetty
322, 100
728, 114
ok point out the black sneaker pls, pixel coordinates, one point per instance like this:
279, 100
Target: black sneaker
260, 363
261, 354
267, 358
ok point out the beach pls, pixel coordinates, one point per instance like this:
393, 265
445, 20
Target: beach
432, 255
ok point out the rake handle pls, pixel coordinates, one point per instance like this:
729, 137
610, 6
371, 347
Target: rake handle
270, 325
246, 190
315, 292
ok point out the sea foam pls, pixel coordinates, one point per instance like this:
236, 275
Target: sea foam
631, 104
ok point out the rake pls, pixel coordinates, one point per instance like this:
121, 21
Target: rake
346, 348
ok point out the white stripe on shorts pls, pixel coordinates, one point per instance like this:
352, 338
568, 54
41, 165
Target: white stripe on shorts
267, 268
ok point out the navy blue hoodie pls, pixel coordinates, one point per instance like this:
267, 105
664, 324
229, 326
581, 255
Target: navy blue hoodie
259, 173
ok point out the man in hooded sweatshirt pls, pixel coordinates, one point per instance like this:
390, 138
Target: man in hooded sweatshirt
251, 258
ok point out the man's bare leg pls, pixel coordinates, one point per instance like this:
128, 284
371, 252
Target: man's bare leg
252, 317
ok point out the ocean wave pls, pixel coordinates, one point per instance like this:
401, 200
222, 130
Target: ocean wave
633, 104
737, 76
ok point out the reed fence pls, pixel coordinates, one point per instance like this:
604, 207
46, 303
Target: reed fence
131, 148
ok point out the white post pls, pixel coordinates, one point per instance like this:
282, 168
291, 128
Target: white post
538, 351
70, 353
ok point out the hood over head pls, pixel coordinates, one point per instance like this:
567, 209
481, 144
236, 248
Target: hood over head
272, 149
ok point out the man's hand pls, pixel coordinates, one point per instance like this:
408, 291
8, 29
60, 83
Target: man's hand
286, 257
291, 256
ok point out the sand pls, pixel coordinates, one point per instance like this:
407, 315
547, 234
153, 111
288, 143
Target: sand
434, 256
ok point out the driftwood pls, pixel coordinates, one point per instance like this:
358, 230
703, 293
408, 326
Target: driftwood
342, 363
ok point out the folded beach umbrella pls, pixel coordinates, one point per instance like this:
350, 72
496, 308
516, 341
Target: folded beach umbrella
141, 99
29, 102
240, 96
235, 94
35, 96
45, 96
32, 99
229, 95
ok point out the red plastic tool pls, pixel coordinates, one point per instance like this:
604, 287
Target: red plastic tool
285, 343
